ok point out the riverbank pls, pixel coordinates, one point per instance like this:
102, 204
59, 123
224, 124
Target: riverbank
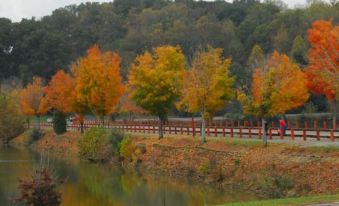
279, 170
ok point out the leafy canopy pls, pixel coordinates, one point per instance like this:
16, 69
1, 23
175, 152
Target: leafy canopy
32, 100
59, 92
277, 87
98, 81
323, 70
155, 79
208, 84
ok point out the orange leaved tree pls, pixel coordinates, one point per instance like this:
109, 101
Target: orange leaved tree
323, 69
58, 94
207, 85
155, 81
32, 101
98, 85
278, 86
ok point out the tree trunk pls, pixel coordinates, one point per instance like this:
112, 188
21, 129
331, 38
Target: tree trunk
334, 113
161, 132
264, 132
39, 122
82, 126
203, 127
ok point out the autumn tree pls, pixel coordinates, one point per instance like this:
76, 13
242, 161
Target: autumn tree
98, 85
11, 121
280, 85
128, 107
323, 69
32, 101
155, 81
207, 85
59, 97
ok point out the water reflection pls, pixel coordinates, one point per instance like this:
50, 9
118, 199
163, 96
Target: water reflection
90, 184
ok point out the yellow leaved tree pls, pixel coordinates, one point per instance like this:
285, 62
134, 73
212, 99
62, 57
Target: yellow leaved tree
207, 85
278, 86
155, 81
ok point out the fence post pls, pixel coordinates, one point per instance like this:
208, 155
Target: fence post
250, 132
315, 124
215, 130
193, 127
240, 132
259, 134
232, 134
223, 131
270, 132
332, 135
304, 134
292, 133
318, 135
281, 135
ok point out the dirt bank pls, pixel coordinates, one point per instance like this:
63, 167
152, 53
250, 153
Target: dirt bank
60, 145
276, 171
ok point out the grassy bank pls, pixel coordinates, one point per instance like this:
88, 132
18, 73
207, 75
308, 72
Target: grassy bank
290, 201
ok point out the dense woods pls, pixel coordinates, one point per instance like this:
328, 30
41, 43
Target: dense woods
247, 31
42, 46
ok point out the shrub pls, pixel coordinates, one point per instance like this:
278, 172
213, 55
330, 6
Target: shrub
59, 122
276, 185
40, 191
34, 135
100, 144
128, 150
204, 167
95, 145
115, 137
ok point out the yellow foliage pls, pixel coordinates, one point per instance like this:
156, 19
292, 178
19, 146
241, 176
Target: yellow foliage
208, 85
155, 79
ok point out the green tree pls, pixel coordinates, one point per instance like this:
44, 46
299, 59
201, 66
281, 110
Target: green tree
155, 81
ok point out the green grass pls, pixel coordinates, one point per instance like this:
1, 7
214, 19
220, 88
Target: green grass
241, 142
330, 148
289, 201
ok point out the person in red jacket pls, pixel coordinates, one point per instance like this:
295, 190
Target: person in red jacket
282, 126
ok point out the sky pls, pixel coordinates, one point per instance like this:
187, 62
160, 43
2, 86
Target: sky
18, 9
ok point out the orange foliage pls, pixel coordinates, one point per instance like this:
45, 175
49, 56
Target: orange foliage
59, 92
323, 71
277, 87
98, 81
32, 101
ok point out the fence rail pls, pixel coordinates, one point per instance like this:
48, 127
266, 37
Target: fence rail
244, 129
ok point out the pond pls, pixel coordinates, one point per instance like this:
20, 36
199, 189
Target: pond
92, 184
